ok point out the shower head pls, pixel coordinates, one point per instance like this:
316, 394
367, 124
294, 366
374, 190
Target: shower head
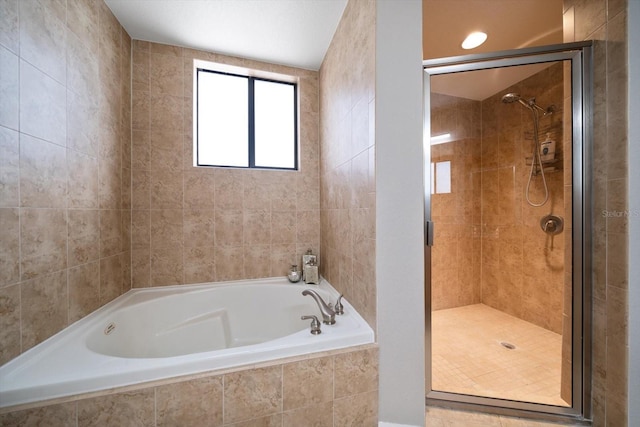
510, 98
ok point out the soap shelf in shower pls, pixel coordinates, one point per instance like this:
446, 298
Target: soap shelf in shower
549, 165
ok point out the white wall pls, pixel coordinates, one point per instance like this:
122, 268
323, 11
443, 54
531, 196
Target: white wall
399, 211
633, 42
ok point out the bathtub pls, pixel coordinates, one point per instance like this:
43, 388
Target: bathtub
151, 334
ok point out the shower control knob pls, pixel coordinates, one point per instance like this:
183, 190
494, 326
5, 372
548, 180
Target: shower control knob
552, 224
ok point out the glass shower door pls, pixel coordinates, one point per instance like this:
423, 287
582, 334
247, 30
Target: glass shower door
501, 286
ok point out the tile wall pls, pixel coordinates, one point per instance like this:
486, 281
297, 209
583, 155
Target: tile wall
456, 255
192, 225
605, 22
64, 166
334, 390
347, 158
490, 247
522, 267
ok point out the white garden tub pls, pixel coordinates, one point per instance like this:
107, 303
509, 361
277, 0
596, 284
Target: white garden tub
157, 333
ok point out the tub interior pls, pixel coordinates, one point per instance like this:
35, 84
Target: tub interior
230, 317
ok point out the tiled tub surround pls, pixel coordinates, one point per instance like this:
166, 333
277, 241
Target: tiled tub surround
347, 158
192, 225
65, 134
338, 388
158, 333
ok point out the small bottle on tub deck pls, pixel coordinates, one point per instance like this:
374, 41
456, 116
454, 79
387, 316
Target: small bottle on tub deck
307, 259
294, 274
311, 273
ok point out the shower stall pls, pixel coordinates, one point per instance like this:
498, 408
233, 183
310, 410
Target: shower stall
507, 233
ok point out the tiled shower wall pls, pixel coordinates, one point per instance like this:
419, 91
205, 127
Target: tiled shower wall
347, 158
456, 255
192, 225
523, 267
605, 22
64, 166
490, 247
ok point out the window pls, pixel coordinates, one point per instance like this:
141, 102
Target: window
244, 121
441, 177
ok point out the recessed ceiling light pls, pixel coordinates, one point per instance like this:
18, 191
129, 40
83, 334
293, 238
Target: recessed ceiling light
474, 40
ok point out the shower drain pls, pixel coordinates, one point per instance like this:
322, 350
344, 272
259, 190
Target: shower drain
508, 345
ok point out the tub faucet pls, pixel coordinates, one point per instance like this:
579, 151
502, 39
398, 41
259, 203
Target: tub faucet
328, 315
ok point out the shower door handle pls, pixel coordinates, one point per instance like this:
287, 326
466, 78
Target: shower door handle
428, 233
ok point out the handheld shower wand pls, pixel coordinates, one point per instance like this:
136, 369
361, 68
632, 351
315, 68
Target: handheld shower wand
510, 98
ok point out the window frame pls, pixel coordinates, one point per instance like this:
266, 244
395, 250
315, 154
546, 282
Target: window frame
251, 77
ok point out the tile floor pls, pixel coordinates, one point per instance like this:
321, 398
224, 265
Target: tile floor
468, 356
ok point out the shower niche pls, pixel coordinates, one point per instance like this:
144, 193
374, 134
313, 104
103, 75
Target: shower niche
506, 293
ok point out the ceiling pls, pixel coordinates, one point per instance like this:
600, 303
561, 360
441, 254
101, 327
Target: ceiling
298, 32
509, 24
287, 32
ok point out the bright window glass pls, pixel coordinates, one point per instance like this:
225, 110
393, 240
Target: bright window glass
244, 121
222, 120
274, 124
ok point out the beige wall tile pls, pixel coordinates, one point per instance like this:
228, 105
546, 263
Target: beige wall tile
229, 262
43, 241
9, 246
9, 25
252, 394
111, 242
82, 66
199, 264
167, 265
9, 323
199, 189
43, 177
318, 415
356, 410
84, 236
193, 403
42, 36
357, 372
42, 105
9, 89
132, 408
82, 180
257, 261
9, 168
229, 228
270, 421
84, 290
44, 307
63, 415
82, 19
198, 227
308, 383
165, 74
111, 278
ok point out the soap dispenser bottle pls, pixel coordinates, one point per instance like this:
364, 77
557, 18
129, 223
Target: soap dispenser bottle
309, 266
311, 273
548, 149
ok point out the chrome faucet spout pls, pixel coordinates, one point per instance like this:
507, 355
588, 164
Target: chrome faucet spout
328, 315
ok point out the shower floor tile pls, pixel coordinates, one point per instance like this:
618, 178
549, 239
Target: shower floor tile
469, 358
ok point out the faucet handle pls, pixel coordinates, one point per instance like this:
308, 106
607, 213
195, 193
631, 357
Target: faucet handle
315, 324
339, 308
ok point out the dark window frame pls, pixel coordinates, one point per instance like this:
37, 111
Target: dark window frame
251, 121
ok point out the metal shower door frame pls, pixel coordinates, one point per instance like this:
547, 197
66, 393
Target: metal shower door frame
581, 57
